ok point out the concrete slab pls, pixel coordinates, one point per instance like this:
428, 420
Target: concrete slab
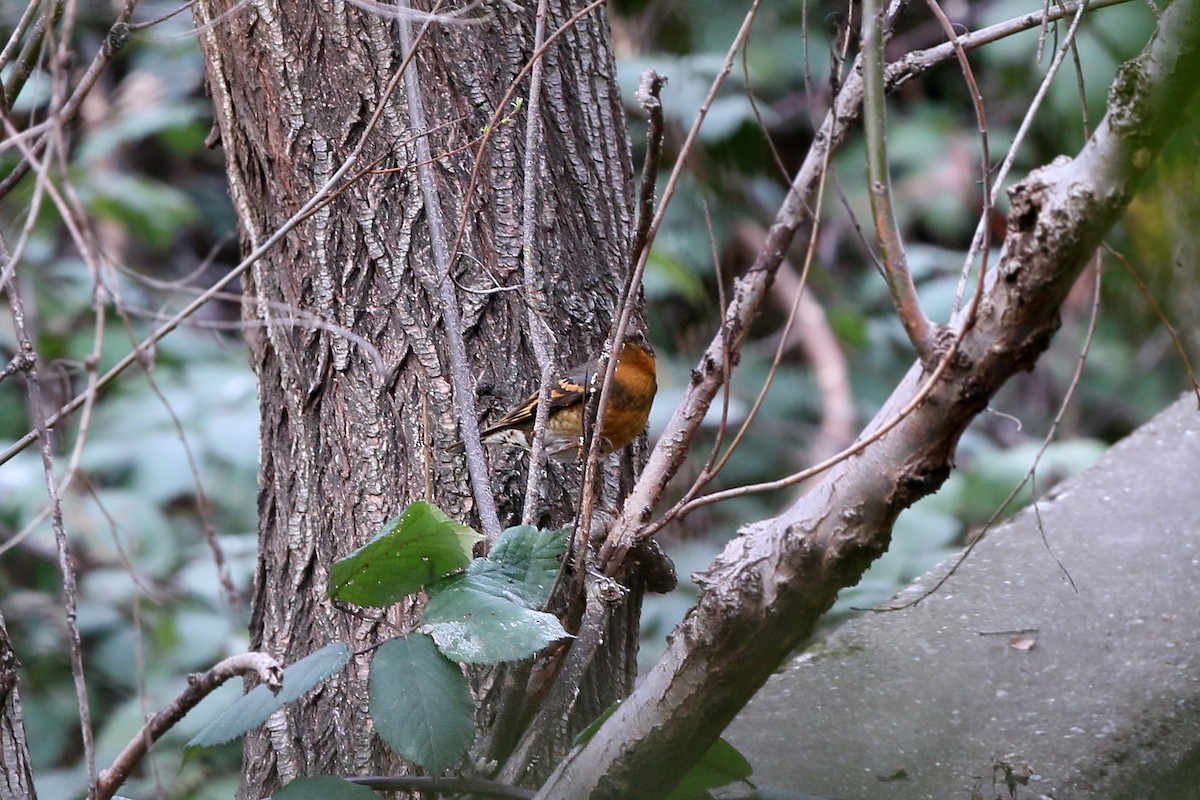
1009, 682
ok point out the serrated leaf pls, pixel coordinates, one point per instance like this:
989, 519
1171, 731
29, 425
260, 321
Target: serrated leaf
324, 787
252, 709
420, 702
413, 550
720, 765
475, 626
522, 566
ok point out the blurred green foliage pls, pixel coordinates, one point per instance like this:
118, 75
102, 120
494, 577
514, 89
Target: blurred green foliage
934, 145
151, 604
170, 455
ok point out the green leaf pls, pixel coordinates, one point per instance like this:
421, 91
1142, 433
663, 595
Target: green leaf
324, 787
412, 551
473, 625
490, 613
522, 565
253, 708
721, 765
420, 702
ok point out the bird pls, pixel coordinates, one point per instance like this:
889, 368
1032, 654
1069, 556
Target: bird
633, 389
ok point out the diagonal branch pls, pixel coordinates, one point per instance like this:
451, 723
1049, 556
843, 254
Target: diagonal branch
751, 289
199, 686
763, 595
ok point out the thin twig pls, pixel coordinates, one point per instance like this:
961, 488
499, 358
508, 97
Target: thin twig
636, 273
319, 198
805, 474
200, 685
883, 207
65, 563
1009, 157
469, 429
602, 596
14, 41
985, 155
1030, 473
535, 295
311, 206
726, 361
460, 368
150, 23
1079, 82
809, 253
118, 35
648, 97
498, 115
649, 100
673, 444
30, 53
148, 343
1162, 317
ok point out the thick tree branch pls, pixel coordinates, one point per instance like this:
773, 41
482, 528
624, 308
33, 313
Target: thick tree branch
765, 592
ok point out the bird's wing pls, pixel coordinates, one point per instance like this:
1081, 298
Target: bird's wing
567, 391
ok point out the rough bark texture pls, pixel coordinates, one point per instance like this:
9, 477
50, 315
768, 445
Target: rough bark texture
16, 780
764, 593
343, 447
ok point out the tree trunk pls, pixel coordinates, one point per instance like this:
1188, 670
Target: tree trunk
348, 440
16, 780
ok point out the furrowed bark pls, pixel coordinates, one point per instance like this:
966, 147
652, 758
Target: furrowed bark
345, 446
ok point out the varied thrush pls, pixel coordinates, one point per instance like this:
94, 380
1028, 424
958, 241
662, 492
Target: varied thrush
634, 386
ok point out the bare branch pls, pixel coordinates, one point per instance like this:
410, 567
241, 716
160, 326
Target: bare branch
602, 595
117, 36
750, 289
982, 232
200, 685
539, 331
649, 87
319, 199
65, 564
984, 229
651, 83
460, 369
1166, 323
765, 592
883, 207
191, 308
